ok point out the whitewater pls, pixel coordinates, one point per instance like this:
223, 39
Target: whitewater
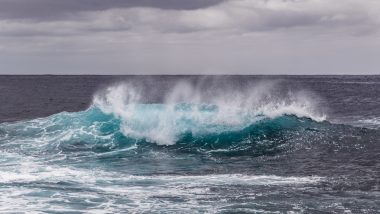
203, 145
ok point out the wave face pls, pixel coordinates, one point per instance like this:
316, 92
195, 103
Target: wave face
183, 126
197, 147
188, 111
188, 117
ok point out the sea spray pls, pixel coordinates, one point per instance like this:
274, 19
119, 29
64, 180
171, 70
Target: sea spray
200, 109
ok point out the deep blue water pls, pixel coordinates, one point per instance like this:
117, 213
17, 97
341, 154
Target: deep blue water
190, 144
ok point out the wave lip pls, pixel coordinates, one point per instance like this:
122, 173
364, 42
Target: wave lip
188, 110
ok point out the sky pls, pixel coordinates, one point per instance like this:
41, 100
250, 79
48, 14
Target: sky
190, 37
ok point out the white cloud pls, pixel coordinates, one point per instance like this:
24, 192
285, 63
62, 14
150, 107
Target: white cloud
249, 15
244, 36
233, 15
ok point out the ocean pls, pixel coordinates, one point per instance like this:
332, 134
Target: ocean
189, 144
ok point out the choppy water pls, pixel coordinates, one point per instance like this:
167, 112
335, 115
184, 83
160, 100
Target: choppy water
169, 144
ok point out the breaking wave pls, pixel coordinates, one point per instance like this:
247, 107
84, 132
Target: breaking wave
200, 112
120, 116
191, 146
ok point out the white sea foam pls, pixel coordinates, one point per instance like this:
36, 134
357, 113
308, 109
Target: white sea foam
106, 191
373, 122
28, 169
209, 109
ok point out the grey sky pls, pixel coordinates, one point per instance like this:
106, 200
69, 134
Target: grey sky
189, 37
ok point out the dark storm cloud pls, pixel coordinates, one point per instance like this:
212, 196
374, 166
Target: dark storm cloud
55, 9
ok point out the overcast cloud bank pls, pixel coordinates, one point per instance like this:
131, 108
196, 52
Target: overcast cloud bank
186, 37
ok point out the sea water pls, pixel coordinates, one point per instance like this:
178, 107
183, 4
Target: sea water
191, 144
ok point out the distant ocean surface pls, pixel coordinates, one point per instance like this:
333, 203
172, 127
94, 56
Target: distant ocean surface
189, 144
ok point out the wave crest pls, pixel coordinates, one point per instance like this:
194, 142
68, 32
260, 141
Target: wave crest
200, 109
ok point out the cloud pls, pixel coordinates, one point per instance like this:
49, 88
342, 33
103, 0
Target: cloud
175, 36
261, 15
59, 9
234, 16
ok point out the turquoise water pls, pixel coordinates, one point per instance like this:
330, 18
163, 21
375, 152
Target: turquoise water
244, 154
